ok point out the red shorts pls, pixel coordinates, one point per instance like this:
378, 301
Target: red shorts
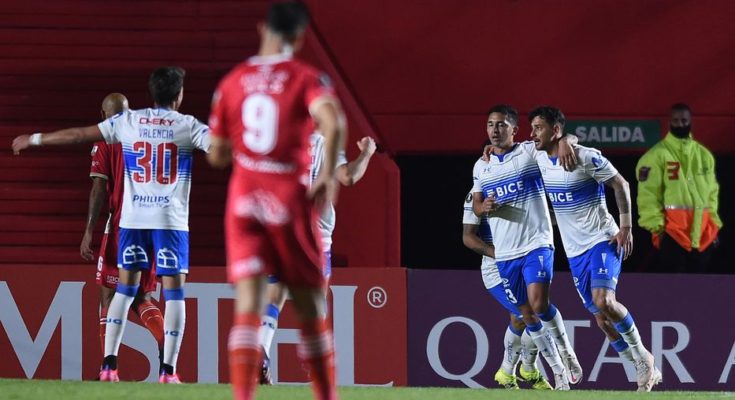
270, 229
107, 274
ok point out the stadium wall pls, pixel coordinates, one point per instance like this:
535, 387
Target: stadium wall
428, 71
393, 327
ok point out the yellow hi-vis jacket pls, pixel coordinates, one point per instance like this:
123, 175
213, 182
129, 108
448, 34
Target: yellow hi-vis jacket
678, 192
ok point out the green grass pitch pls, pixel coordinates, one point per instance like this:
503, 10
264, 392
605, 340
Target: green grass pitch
63, 390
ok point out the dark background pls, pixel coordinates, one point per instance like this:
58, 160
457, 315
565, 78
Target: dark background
433, 189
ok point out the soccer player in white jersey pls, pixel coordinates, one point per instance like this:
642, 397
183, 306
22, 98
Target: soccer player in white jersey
157, 148
347, 173
477, 237
508, 189
593, 243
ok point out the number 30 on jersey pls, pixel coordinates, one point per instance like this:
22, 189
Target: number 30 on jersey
164, 160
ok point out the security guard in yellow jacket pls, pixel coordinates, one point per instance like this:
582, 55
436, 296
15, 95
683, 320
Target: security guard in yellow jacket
678, 197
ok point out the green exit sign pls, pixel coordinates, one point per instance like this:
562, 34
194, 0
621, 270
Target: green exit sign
609, 134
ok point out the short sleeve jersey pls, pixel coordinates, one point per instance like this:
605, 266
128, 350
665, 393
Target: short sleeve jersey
157, 146
328, 217
263, 106
107, 163
578, 199
523, 215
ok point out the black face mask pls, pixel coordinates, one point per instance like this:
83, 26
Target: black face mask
681, 131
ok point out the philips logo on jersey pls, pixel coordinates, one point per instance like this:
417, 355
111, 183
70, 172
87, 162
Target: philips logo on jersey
156, 121
151, 201
564, 197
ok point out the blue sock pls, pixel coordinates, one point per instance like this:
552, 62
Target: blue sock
129, 291
272, 311
549, 314
174, 294
625, 325
515, 332
534, 328
619, 345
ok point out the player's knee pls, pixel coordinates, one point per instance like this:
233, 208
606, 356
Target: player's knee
603, 301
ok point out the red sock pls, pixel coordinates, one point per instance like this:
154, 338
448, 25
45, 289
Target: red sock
103, 327
245, 355
152, 319
317, 350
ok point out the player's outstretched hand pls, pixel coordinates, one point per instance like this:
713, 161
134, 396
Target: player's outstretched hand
322, 191
367, 145
624, 242
21, 142
85, 249
567, 156
486, 151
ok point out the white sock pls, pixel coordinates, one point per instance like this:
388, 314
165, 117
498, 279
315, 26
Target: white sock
547, 348
268, 328
556, 329
633, 338
529, 355
117, 317
627, 354
512, 344
173, 327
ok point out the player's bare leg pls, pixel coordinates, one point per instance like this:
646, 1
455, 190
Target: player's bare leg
550, 316
546, 345
317, 345
117, 316
276, 295
647, 374
244, 350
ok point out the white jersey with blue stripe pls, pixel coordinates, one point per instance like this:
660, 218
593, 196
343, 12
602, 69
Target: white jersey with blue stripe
157, 148
522, 222
490, 274
578, 199
328, 217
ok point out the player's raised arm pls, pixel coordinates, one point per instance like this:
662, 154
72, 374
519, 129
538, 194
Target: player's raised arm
59, 138
567, 154
348, 174
331, 125
220, 152
624, 238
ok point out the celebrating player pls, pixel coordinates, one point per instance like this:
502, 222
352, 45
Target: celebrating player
107, 176
347, 173
592, 241
477, 237
262, 119
157, 147
509, 190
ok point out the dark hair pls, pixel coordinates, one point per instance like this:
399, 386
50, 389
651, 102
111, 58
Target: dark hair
550, 114
681, 107
511, 114
165, 84
288, 19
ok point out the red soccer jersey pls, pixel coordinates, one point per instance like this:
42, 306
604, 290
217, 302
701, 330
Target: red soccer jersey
107, 163
263, 107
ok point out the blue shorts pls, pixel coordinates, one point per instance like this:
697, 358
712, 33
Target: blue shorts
327, 268
535, 267
598, 267
500, 294
171, 248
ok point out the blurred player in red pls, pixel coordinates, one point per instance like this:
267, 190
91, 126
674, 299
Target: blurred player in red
262, 118
107, 178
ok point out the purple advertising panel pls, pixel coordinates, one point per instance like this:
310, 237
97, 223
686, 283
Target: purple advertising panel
456, 329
